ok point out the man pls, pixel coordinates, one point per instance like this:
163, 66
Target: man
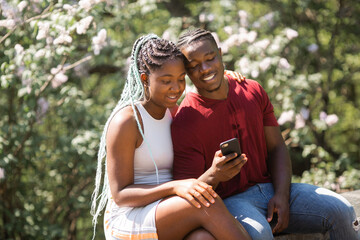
256, 186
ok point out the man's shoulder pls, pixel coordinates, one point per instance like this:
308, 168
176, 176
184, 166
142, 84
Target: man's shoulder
188, 112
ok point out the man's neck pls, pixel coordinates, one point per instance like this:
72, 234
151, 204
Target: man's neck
220, 93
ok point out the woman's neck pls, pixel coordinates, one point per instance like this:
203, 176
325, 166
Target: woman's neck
157, 112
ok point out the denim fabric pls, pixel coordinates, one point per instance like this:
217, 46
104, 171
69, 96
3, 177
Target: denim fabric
312, 210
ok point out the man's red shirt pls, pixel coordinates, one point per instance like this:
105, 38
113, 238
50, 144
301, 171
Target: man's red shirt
201, 124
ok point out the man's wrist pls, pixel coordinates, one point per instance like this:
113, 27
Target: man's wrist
209, 178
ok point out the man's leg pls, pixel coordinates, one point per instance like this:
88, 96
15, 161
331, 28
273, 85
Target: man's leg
314, 209
250, 208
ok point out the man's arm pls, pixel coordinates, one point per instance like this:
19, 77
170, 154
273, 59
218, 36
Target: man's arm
279, 165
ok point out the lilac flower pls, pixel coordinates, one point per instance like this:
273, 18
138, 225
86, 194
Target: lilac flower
305, 113
313, 47
299, 121
43, 107
2, 173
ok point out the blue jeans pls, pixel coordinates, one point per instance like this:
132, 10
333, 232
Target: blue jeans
312, 210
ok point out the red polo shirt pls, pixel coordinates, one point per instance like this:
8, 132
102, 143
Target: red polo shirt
201, 124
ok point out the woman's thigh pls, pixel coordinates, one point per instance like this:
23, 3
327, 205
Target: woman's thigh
176, 217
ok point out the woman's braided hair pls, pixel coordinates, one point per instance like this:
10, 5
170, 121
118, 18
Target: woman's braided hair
194, 35
149, 53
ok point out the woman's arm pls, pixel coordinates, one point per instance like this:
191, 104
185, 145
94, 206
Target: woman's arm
122, 139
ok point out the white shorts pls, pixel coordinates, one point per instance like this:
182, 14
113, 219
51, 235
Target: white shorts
135, 223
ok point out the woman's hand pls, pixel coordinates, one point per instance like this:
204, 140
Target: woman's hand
238, 76
195, 191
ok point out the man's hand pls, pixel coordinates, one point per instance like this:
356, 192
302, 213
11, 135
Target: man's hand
279, 204
226, 167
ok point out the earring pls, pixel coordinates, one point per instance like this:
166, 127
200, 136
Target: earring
146, 93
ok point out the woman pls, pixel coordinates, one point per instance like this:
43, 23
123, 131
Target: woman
142, 200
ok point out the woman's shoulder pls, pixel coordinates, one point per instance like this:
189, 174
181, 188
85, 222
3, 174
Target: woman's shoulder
123, 119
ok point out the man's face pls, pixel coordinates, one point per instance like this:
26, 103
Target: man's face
204, 66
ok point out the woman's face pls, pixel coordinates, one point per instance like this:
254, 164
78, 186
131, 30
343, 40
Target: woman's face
167, 83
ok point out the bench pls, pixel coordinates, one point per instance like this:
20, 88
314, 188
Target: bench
353, 197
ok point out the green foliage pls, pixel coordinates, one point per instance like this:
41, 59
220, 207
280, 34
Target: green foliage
63, 66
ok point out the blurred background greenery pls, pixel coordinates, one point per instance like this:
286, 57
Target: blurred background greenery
63, 66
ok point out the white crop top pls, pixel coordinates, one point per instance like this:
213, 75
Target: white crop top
158, 138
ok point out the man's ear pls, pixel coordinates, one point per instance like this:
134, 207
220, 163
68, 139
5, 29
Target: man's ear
144, 78
220, 51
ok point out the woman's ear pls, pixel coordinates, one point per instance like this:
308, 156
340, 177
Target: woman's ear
144, 78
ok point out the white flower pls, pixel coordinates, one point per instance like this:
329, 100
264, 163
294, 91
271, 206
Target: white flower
331, 119
43, 30
242, 14
85, 4
2, 173
19, 49
40, 53
83, 25
284, 64
7, 23
99, 41
290, 33
71, 10
274, 47
244, 65
254, 73
202, 17
59, 77
8, 11
305, 113
243, 18
228, 30
251, 36
265, 64
299, 121
286, 116
22, 5
64, 37
224, 47
263, 44
313, 47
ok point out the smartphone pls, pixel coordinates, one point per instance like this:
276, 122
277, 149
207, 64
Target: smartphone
230, 146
